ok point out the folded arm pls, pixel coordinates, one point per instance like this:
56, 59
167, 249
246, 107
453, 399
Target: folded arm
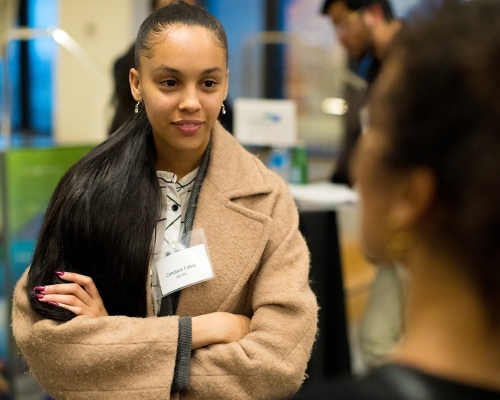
111, 356
270, 361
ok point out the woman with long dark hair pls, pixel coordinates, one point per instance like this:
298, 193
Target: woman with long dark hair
428, 171
86, 315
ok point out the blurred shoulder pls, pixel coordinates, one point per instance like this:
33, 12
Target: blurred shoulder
396, 382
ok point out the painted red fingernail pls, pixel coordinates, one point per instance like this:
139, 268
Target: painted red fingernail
39, 288
39, 296
59, 273
53, 303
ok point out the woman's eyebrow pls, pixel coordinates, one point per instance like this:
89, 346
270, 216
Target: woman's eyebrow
211, 70
164, 67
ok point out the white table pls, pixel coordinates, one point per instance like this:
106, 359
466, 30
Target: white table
318, 205
323, 196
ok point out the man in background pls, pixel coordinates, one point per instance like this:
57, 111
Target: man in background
365, 28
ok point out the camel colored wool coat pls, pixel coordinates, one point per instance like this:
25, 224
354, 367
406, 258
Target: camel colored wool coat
261, 264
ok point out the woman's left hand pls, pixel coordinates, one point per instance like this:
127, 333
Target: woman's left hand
80, 297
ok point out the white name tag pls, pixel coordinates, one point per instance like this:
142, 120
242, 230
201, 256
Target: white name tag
184, 268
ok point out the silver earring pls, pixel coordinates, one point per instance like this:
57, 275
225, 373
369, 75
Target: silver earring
223, 108
136, 110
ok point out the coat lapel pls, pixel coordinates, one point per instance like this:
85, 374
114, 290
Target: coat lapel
236, 235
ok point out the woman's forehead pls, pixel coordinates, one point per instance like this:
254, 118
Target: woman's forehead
185, 48
191, 39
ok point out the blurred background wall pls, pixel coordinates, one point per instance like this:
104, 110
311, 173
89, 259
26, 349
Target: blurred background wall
69, 85
104, 30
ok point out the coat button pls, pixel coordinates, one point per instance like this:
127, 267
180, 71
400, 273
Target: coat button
175, 207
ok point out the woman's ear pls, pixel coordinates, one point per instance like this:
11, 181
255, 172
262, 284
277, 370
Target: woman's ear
135, 84
413, 198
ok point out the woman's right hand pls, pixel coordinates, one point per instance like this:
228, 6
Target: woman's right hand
218, 327
80, 295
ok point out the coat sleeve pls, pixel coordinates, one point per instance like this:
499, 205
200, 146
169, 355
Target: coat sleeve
111, 357
270, 362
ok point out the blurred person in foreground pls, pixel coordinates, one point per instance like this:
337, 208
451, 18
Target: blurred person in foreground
428, 173
365, 28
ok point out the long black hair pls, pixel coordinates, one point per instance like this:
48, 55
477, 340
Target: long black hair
101, 218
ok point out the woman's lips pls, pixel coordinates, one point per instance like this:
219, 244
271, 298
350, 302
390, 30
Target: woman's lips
188, 127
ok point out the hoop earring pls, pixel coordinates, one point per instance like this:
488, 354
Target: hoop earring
223, 109
397, 245
398, 241
136, 109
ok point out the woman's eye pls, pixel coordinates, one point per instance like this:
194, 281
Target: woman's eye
169, 82
209, 84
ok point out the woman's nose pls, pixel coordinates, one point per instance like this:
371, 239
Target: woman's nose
190, 101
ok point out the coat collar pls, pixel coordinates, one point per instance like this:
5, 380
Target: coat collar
232, 170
